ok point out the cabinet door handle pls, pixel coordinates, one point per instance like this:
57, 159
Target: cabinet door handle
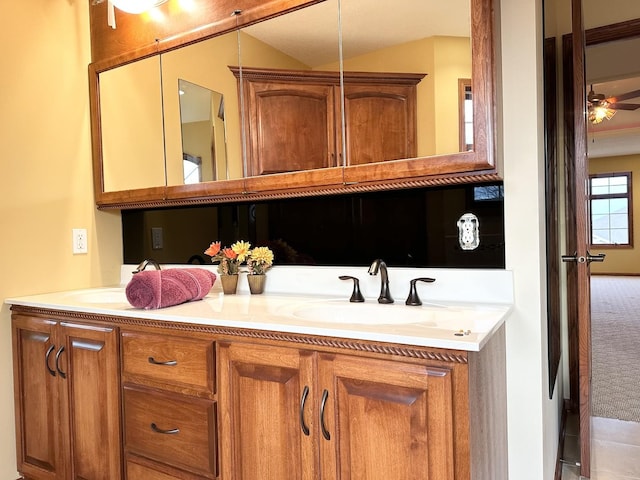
323, 403
171, 431
169, 363
303, 426
46, 360
58, 353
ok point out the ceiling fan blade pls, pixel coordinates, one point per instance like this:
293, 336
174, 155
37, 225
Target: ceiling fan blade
624, 106
624, 96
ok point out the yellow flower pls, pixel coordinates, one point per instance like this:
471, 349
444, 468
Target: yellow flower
262, 255
241, 248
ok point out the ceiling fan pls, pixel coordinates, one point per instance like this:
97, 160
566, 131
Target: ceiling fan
601, 107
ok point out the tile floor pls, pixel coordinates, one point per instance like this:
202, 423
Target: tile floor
615, 450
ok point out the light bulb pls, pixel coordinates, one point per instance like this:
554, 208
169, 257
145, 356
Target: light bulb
136, 6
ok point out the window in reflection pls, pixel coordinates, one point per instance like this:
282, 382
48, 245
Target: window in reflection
465, 109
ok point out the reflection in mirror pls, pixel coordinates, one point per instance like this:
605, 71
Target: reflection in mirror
420, 36
204, 149
131, 124
204, 121
291, 102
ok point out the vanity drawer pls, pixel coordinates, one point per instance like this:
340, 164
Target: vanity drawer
166, 359
172, 429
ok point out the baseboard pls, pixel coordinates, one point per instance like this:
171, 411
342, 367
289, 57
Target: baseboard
605, 274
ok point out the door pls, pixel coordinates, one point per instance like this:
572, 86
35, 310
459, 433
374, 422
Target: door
384, 420
578, 258
267, 418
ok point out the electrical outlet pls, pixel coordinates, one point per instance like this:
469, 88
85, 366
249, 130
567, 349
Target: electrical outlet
468, 231
157, 242
80, 240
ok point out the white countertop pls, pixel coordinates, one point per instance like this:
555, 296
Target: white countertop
460, 317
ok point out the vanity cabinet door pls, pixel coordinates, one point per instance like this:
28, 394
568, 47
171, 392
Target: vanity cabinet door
67, 399
384, 419
267, 413
37, 399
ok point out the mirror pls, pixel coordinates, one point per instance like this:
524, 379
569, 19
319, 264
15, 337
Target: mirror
413, 36
208, 105
204, 146
132, 130
408, 74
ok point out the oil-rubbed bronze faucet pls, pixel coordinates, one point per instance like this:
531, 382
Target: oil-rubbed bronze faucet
385, 294
144, 263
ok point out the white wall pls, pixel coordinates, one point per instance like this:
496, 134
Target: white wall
46, 184
533, 419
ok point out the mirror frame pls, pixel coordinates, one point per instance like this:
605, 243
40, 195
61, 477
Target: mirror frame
478, 165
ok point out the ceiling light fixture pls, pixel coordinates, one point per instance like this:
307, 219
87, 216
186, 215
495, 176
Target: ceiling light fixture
136, 6
597, 113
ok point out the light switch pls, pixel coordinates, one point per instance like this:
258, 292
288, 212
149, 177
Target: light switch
157, 242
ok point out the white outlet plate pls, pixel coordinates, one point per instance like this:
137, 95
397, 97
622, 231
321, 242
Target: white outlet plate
80, 240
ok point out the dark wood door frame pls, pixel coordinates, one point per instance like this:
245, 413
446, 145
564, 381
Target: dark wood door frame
579, 321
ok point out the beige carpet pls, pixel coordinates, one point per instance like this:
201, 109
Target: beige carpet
615, 347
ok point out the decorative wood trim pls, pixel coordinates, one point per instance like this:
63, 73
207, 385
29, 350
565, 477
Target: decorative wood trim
453, 356
247, 196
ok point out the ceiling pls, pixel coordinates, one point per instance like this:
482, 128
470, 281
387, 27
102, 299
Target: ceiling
311, 34
612, 69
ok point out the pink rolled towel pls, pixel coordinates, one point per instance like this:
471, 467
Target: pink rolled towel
151, 289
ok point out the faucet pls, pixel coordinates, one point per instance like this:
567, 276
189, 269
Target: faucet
144, 264
385, 295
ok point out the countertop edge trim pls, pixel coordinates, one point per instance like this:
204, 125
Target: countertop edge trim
311, 340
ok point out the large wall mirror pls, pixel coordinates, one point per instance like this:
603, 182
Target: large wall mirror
332, 96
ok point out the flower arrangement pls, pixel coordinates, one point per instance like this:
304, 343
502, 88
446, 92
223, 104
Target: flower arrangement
259, 260
229, 258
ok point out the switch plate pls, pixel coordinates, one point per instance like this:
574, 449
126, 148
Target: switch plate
157, 242
80, 240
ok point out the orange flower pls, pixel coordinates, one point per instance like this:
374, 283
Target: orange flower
229, 253
213, 249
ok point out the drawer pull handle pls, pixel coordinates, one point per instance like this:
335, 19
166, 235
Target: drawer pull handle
172, 431
303, 426
323, 403
60, 372
46, 360
170, 363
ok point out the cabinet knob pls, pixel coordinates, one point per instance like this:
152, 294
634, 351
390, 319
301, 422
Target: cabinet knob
168, 363
323, 404
60, 372
171, 431
52, 372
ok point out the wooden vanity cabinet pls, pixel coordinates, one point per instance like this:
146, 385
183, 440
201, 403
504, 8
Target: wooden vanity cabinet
291, 413
169, 404
293, 118
67, 398
117, 397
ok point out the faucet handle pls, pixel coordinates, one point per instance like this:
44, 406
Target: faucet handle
144, 263
413, 298
356, 296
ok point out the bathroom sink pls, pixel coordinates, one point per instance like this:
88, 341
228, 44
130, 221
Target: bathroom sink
99, 296
360, 313
471, 319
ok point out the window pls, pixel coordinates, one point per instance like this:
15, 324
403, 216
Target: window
465, 114
611, 216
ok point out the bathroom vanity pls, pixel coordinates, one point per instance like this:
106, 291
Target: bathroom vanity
273, 386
